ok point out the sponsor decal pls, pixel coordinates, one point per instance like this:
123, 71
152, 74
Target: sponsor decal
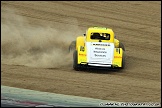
82, 48
99, 55
100, 51
117, 57
97, 48
82, 54
101, 44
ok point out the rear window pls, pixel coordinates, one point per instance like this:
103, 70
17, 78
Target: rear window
100, 36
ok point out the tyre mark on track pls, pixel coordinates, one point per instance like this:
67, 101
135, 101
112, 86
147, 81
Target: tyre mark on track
106, 9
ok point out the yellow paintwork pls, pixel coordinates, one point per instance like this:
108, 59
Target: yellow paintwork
80, 41
99, 30
116, 43
80, 45
82, 57
118, 57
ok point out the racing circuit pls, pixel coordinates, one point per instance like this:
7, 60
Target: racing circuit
36, 35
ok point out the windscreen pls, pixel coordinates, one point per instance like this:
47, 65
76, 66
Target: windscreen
100, 36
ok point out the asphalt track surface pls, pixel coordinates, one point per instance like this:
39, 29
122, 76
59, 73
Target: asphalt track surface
136, 24
20, 97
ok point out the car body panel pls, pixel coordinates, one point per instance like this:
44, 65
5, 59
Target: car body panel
99, 52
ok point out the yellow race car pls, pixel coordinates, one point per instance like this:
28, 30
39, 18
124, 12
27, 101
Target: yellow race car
98, 48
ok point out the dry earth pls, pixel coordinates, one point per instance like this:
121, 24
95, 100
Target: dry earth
35, 38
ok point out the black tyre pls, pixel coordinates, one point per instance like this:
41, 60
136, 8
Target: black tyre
123, 61
72, 46
75, 61
121, 45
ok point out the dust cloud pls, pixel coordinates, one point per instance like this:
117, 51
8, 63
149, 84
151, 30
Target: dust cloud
36, 46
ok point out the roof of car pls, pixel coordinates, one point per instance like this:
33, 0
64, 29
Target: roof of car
100, 30
97, 27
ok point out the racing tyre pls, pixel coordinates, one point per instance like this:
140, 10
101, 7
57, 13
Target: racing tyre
72, 46
75, 61
123, 61
121, 45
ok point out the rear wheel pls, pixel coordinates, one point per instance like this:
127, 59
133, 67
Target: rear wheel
75, 61
123, 61
121, 45
72, 46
